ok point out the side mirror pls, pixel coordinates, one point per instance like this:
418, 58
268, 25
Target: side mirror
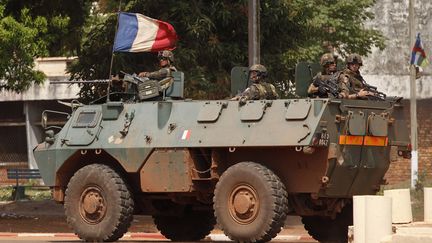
44, 120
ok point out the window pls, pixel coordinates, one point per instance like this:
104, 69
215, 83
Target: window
87, 118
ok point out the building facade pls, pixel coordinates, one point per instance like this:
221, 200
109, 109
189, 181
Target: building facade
20, 116
389, 71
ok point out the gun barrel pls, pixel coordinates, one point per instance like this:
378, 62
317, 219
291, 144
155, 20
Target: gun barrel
371, 87
81, 81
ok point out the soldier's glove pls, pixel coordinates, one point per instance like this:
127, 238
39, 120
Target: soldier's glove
322, 90
242, 100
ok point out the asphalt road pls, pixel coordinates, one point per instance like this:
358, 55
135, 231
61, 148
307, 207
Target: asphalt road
68, 239
39, 222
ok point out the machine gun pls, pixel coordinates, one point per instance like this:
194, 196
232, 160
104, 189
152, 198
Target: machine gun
326, 87
97, 81
133, 78
145, 87
374, 93
329, 86
116, 90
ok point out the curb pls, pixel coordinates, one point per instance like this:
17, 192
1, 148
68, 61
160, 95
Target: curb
153, 236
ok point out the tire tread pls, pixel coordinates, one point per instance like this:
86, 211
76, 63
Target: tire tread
278, 193
126, 202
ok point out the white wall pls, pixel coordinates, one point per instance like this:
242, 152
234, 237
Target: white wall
55, 69
389, 69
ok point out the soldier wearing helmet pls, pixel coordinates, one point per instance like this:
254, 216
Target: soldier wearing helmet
329, 71
259, 89
352, 81
164, 74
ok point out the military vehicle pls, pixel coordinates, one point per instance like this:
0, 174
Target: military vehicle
191, 164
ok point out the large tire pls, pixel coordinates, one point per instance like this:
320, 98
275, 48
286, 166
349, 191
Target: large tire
98, 204
250, 203
327, 230
190, 226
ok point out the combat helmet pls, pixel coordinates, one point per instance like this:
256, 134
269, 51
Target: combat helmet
327, 58
261, 69
166, 54
354, 58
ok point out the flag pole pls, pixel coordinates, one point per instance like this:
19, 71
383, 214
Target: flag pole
112, 54
413, 101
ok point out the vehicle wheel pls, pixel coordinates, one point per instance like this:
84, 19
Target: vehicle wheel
98, 204
250, 203
325, 229
190, 226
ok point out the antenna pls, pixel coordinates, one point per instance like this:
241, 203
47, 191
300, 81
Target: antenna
112, 55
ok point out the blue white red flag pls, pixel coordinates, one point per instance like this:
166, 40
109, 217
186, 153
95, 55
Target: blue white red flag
139, 33
418, 55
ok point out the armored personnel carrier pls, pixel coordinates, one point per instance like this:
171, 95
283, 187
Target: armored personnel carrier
192, 164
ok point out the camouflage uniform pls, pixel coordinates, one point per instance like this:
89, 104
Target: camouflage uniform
259, 90
324, 76
163, 75
352, 82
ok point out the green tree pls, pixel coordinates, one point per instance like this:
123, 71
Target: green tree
37, 28
19, 45
213, 38
65, 21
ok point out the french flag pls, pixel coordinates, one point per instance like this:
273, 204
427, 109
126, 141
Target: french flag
139, 33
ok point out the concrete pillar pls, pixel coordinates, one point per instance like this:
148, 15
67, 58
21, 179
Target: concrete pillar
33, 134
401, 206
372, 218
427, 204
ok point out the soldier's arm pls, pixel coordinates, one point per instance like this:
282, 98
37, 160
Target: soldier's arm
274, 94
166, 82
251, 93
312, 89
361, 94
344, 86
254, 93
314, 86
158, 75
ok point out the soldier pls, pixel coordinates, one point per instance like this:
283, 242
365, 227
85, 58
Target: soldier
259, 89
353, 84
164, 74
322, 79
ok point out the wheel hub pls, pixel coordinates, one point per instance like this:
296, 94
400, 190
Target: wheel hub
244, 204
92, 205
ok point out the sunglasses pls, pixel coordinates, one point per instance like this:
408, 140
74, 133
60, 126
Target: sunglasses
330, 63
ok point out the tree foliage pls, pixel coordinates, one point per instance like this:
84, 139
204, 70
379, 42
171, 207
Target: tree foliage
19, 44
65, 21
213, 38
37, 28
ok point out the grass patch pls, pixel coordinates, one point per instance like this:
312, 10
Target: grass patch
30, 193
5, 193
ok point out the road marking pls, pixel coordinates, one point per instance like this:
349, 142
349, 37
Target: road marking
152, 236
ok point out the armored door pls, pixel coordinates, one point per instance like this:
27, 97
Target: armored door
84, 128
344, 168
